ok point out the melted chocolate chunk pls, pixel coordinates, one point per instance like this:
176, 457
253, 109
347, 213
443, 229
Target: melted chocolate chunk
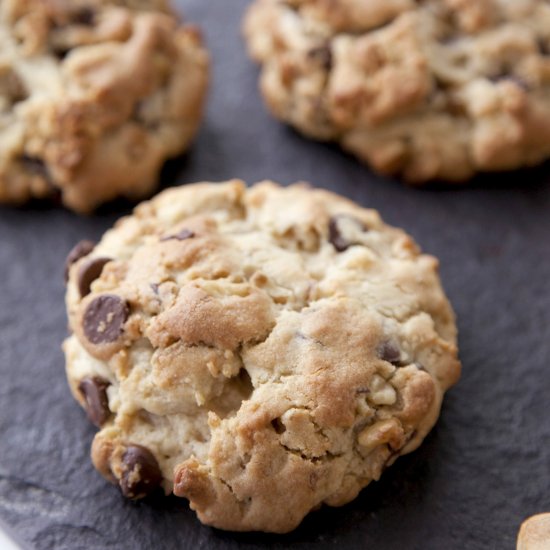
94, 391
104, 318
81, 249
89, 272
389, 352
141, 474
183, 235
335, 236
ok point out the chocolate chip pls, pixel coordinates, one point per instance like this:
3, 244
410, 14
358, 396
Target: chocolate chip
141, 474
84, 16
81, 249
278, 426
89, 272
104, 319
322, 55
94, 391
335, 236
61, 53
389, 352
35, 166
544, 46
183, 235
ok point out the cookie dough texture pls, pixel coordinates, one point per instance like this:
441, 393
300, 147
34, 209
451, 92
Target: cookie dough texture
439, 89
535, 533
94, 96
258, 351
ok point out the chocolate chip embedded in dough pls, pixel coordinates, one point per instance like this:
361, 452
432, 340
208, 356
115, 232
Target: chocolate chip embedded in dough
141, 474
335, 237
336, 231
35, 166
390, 352
89, 272
84, 16
94, 391
81, 249
104, 318
322, 55
183, 235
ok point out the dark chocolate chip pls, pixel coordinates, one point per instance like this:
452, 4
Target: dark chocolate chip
104, 319
278, 426
544, 46
84, 16
183, 235
81, 249
35, 166
89, 272
141, 474
61, 53
94, 391
335, 236
389, 352
322, 55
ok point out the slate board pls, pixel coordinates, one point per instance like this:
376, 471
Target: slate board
484, 468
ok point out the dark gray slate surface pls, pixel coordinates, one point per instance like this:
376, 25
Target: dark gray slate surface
485, 467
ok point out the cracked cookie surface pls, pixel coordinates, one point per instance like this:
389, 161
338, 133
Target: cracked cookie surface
94, 96
259, 351
432, 89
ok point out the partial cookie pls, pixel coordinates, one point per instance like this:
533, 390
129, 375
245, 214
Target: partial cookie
258, 351
94, 96
439, 89
535, 533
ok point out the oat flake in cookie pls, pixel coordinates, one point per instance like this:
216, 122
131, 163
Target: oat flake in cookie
258, 351
94, 96
439, 89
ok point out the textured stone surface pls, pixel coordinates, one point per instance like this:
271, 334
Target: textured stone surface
483, 469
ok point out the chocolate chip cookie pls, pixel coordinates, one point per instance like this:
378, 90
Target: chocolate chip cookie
259, 351
94, 96
439, 89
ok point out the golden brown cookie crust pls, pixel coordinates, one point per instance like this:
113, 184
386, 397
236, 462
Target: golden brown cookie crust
535, 533
441, 89
94, 96
272, 348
